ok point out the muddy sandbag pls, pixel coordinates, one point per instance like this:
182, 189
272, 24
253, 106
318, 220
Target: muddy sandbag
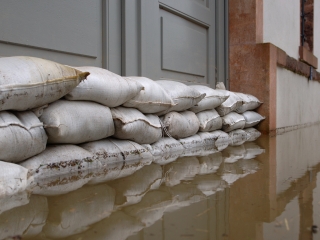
58, 160
105, 87
180, 124
230, 105
152, 99
209, 184
212, 99
26, 221
233, 153
237, 137
252, 118
252, 134
249, 102
29, 82
18, 199
233, 121
21, 136
131, 189
72, 213
193, 145
183, 96
219, 139
76, 122
133, 125
252, 150
209, 120
210, 164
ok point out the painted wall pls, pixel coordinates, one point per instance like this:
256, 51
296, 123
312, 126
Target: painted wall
281, 25
316, 30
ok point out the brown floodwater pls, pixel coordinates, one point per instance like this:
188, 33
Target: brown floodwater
268, 189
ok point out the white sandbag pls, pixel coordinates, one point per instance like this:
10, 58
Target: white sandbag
13, 178
233, 153
29, 82
209, 164
209, 120
152, 99
105, 87
77, 122
58, 160
233, 121
18, 199
212, 99
219, 139
252, 118
183, 96
237, 137
249, 102
180, 125
209, 184
72, 213
21, 136
231, 104
133, 125
252, 150
193, 145
252, 134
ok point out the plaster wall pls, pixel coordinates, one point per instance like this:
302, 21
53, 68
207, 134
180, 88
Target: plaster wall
281, 25
316, 30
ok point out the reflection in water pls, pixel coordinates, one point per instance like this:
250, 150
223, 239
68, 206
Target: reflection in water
266, 189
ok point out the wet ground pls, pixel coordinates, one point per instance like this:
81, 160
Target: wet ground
267, 189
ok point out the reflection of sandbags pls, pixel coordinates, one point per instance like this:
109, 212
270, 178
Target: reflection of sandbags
248, 166
29, 82
212, 99
133, 125
180, 125
210, 164
183, 96
233, 121
77, 122
230, 172
233, 153
104, 87
217, 138
131, 189
237, 137
13, 178
21, 136
231, 104
249, 102
252, 118
184, 168
60, 159
26, 221
152, 99
209, 120
209, 184
252, 134
151, 207
72, 213
252, 150
13, 201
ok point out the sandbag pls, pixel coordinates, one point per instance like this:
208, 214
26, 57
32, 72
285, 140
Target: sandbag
231, 104
233, 121
249, 102
152, 99
183, 96
105, 87
29, 82
193, 145
212, 99
252, 134
252, 118
76, 122
21, 136
237, 137
180, 125
219, 139
209, 120
133, 125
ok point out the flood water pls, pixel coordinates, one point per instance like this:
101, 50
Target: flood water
268, 189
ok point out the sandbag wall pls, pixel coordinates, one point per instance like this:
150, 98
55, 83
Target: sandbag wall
56, 119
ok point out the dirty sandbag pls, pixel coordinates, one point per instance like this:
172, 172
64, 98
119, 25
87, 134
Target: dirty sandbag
180, 124
233, 121
105, 87
237, 137
233, 153
29, 82
219, 139
131, 189
252, 134
212, 99
152, 99
193, 145
183, 96
210, 163
58, 160
231, 104
21, 136
76, 122
26, 221
252, 150
209, 184
250, 102
252, 118
209, 120
89, 205
133, 125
